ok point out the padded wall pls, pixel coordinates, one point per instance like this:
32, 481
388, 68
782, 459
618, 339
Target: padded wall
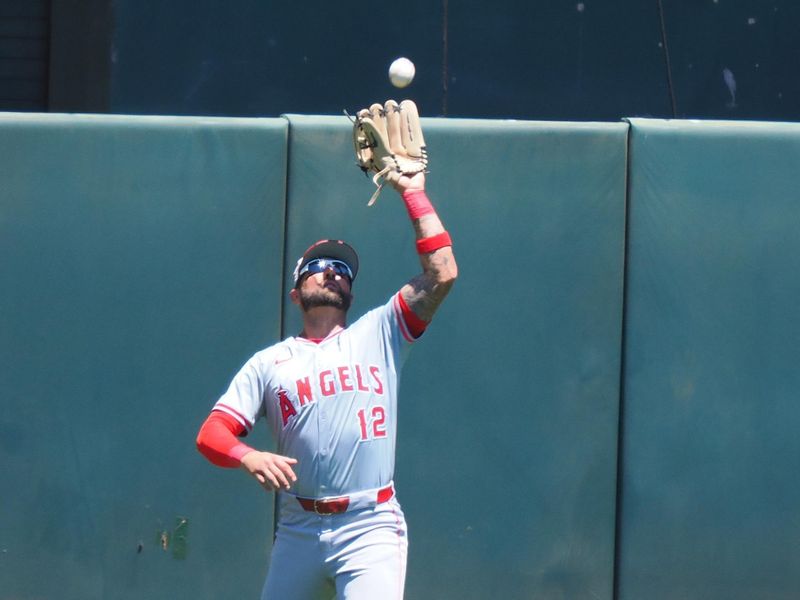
507, 439
139, 265
143, 262
711, 452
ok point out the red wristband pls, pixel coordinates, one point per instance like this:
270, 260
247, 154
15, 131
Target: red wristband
433, 243
417, 203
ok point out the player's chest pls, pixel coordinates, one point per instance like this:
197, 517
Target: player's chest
302, 378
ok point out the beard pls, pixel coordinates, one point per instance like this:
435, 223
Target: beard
325, 297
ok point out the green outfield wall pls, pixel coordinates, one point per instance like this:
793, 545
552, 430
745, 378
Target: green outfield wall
141, 261
508, 418
711, 503
603, 407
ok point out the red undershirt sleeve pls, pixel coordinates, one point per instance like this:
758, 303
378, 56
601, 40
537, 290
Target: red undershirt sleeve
416, 326
217, 440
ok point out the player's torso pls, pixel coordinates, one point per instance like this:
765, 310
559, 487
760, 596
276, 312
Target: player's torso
333, 407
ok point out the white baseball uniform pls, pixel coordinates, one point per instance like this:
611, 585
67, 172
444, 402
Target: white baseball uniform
332, 405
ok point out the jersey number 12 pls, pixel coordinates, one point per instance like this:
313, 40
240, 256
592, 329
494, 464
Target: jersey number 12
374, 426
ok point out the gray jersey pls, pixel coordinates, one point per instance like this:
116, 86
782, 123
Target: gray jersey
332, 405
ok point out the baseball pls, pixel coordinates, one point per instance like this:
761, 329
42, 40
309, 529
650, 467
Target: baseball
401, 72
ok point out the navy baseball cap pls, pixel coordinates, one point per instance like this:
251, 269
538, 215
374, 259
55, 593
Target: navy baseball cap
328, 249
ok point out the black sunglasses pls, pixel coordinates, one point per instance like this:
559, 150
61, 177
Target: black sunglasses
320, 265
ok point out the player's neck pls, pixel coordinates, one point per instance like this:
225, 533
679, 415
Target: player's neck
322, 321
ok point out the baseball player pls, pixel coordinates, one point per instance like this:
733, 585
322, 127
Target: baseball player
329, 396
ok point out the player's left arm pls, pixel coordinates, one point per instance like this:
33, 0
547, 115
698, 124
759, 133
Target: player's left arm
425, 292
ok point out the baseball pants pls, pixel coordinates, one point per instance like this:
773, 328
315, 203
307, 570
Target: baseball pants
355, 555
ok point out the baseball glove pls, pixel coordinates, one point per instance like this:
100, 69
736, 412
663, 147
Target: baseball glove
388, 142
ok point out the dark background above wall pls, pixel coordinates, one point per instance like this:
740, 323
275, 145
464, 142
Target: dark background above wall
546, 60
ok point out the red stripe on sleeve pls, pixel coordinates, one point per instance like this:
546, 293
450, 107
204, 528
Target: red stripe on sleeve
416, 326
232, 411
401, 321
217, 440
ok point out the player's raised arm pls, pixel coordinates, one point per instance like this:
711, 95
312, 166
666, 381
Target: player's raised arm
425, 292
389, 142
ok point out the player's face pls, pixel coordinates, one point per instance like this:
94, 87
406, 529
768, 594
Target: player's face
325, 288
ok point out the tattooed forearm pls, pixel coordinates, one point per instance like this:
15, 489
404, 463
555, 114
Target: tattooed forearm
425, 292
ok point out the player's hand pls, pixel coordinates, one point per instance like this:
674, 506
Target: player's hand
411, 183
273, 471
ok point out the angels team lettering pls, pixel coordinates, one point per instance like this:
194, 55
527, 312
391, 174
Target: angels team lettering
345, 378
